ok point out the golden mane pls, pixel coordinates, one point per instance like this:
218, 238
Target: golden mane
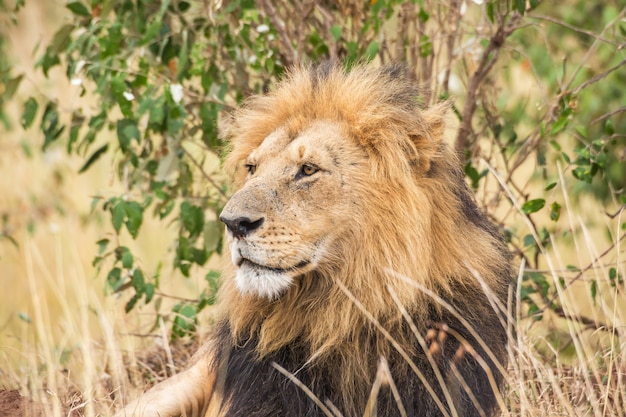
431, 240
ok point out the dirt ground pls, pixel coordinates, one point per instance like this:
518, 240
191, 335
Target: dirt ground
12, 404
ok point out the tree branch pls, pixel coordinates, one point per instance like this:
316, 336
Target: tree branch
488, 59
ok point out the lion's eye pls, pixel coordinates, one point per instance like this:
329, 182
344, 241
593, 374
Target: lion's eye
308, 170
251, 168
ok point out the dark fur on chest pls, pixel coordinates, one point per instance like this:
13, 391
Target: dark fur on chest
255, 388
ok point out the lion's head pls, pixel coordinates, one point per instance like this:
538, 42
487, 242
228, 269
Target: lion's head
341, 178
301, 199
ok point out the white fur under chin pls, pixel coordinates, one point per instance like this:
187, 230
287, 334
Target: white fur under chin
261, 282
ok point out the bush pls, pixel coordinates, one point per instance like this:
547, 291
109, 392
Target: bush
162, 73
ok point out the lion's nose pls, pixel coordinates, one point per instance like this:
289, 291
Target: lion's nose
241, 226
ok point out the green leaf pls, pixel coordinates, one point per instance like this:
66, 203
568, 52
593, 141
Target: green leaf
114, 278
192, 218
336, 31
149, 290
134, 214
609, 129
533, 311
584, 173
61, 39
11, 87
555, 211
550, 186
185, 320
490, 14
541, 282
560, 124
519, 6
74, 130
118, 88
183, 57
102, 245
594, 290
473, 174
47, 61
157, 111
151, 34
112, 43
184, 268
94, 157
212, 277
371, 50
50, 125
131, 303
426, 46
529, 240
423, 15
352, 48
79, 9
29, 113
127, 130
127, 258
138, 281
198, 256
532, 206
118, 214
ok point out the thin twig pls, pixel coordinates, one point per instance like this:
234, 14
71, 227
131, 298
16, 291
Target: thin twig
587, 321
606, 116
575, 29
204, 174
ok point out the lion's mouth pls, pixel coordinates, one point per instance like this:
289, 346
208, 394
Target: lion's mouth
255, 276
244, 262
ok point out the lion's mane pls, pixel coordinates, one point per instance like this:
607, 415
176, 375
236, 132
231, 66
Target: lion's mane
422, 244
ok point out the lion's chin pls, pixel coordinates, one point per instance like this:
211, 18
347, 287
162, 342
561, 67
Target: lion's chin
254, 279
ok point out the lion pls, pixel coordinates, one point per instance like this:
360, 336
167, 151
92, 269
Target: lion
364, 279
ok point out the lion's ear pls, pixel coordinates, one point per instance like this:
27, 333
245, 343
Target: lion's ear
225, 123
435, 122
427, 141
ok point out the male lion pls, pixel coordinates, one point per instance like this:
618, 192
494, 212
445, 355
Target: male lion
365, 281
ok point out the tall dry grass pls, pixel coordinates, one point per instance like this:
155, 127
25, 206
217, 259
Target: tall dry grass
76, 352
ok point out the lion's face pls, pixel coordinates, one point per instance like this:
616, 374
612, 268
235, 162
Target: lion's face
299, 197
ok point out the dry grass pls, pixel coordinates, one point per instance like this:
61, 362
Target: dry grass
67, 345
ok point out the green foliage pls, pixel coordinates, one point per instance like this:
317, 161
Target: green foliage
162, 73
9, 81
